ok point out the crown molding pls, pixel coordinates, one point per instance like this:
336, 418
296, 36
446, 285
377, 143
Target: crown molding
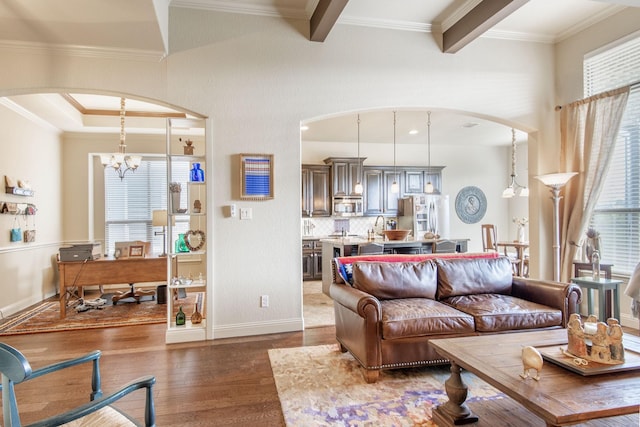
83, 51
231, 6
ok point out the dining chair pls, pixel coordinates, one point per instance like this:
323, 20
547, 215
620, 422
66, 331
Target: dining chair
15, 369
490, 244
444, 247
371, 248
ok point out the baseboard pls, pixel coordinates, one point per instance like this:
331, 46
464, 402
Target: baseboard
258, 328
11, 309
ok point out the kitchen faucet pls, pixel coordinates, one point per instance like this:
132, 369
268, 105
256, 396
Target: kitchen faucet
379, 217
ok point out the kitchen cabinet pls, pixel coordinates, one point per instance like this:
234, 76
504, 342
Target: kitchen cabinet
186, 232
311, 259
345, 173
316, 190
378, 197
416, 178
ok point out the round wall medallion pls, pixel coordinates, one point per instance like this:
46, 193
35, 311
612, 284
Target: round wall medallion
194, 239
471, 205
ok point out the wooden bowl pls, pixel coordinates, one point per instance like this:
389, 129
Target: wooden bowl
396, 234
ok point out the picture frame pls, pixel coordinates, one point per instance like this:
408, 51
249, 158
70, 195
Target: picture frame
256, 177
136, 251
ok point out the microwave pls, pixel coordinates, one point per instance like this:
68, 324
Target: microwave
347, 206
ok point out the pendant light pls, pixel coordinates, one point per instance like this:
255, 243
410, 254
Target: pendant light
513, 187
358, 188
395, 188
120, 161
428, 188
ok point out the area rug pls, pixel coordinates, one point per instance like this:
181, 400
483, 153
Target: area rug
45, 317
320, 386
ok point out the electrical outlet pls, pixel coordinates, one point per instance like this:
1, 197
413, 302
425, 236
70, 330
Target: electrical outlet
232, 210
264, 301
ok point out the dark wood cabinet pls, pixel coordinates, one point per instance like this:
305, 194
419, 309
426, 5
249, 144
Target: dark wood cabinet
311, 260
345, 172
378, 197
416, 178
316, 190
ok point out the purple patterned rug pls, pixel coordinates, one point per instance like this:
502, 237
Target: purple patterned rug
320, 386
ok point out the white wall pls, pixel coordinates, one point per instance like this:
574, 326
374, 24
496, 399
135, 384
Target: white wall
28, 270
258, 77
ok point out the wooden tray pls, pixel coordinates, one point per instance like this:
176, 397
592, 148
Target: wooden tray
554, 354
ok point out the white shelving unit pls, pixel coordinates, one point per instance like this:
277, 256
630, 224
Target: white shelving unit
186, 263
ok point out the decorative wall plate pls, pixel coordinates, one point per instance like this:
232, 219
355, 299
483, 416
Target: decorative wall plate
194, 239
471, 205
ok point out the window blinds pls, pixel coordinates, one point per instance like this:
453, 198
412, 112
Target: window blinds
617, 213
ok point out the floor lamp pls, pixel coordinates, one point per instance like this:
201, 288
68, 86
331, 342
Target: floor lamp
159, 219
555, 181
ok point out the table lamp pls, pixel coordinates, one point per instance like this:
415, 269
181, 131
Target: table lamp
159, 219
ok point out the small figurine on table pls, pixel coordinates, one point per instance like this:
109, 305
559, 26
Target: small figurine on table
188, 149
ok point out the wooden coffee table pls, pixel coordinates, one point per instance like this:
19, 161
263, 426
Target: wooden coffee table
560, 397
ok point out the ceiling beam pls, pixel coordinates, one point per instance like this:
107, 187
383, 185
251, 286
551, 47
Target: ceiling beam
324, 18
479, 19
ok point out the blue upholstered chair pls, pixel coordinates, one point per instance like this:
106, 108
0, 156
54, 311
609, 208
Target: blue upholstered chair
15, 369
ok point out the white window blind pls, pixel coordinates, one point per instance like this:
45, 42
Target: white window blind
129, 203
617, 213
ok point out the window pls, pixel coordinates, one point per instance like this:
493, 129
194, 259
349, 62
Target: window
129, 203
617, 213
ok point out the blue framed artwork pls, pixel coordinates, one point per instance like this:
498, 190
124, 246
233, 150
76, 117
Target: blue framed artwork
256, 176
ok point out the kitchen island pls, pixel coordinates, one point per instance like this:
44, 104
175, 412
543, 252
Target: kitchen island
333, 247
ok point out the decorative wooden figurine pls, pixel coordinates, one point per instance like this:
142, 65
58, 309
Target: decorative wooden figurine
188, 148
595, 341
531, 359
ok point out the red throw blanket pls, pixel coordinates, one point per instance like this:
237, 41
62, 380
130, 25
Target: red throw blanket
414, 258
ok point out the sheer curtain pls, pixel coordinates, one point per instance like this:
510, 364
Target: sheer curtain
588, 128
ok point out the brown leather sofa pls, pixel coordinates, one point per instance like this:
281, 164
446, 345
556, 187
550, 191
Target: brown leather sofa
387, 315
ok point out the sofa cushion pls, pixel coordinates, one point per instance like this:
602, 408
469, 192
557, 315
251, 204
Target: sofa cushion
412, 317
473, 276
495, 312
388, 280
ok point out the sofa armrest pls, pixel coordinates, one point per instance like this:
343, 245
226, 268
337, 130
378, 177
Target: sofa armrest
355, 300
563, 296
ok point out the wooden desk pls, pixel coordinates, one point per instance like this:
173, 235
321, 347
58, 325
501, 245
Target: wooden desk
107, 271
520, 247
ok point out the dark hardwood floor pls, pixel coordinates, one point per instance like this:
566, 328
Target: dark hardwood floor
226, 382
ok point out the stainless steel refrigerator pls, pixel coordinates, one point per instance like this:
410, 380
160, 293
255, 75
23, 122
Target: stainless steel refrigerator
424, 213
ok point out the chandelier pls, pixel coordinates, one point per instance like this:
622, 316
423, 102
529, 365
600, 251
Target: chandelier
119, 161
513, 187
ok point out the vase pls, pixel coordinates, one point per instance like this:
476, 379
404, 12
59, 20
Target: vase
521, 237
197, 174
196, 317
181, 319
175, 201
181, 245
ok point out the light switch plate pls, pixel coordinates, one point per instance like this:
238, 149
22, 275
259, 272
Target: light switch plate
246, 213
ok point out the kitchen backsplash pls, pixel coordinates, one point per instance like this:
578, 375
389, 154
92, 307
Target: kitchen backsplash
326, 226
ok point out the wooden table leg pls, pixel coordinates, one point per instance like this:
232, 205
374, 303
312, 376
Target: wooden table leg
455, 411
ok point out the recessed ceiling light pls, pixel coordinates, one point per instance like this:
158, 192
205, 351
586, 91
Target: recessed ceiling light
304, 127
413, 131
470, 125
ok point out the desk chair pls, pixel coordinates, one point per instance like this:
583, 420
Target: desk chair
444, 247
15, 369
